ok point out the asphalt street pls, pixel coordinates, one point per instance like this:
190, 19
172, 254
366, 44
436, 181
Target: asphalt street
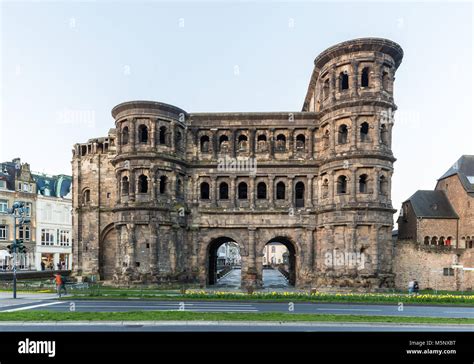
220, 306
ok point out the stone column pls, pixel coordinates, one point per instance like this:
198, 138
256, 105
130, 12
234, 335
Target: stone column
252, 143
251, 273
378, 75
332, 83
152, 178
376, 128
153, 133
153, 248
332, 139
133, 139
310, 152
131, 185
252, 192
214, 144
233, 193
353, 185
291, 143
374, 247
118, 141
353, 133
271, 193
354, 79
309, 194
272, 143
331, 183
290, 191
233, 143
376, 184
213, 192
118, 200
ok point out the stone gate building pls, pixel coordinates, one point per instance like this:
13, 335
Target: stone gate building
155, 199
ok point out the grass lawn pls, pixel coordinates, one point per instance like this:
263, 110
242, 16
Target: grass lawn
219, 316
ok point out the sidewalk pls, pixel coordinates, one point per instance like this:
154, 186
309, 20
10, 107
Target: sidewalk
7, 300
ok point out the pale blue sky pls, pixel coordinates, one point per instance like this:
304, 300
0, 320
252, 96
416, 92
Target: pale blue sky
65, 65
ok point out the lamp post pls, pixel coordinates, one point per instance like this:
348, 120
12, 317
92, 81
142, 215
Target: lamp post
18, 211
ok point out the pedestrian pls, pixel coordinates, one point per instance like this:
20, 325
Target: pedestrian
416, 286
60, 284
410, 286
42, 265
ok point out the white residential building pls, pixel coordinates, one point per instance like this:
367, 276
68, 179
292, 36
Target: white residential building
53, 223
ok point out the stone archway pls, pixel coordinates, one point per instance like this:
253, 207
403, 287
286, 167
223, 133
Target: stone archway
291, 265
108, 253
212, 258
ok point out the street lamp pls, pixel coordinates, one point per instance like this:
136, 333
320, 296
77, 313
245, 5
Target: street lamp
18, 211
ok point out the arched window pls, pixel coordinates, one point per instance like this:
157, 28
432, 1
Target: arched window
300, 141
326, 139
163, 182
427, 240
326, 89
385, 80
242, 191
342, 185
383, 185
342, 134
449, 241
223, 143
441, 240
262, 143
204, 144
434, 240
125, 135
125, 185
384, 134
281, 142
280, 191
325, 188
363, 183
142, 134
86, 196
364, 78
142, 184
261, 191
343, 81
178, 140
204, 191
179, 188
162, 135
299, 194
242, 143
364, 132
223, 191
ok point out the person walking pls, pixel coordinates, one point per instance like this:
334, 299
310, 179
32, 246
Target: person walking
410, 286
416, 286
60, 284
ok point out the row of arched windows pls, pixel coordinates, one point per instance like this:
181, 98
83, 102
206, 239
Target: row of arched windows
434, 240
262, 194
143, 185
365, 81
363, 183
242, 143
143, 136
343, 134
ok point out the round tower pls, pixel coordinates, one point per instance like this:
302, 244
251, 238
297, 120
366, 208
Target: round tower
150, 172
352, 91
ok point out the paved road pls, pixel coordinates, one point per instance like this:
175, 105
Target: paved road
272, 279
213, 306
223, 327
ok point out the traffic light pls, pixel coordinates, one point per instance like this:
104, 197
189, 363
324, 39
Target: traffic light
10, 249
20, 248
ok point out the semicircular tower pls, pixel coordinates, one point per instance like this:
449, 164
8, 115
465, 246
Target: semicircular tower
352, 90
151, 179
